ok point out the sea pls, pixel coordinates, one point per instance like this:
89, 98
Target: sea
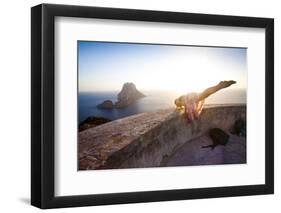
154, 100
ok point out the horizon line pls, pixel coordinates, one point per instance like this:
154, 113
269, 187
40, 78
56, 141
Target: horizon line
154, 90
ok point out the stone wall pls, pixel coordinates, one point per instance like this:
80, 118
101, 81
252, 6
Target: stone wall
145, 140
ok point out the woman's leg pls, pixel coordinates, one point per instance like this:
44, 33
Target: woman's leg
211, 90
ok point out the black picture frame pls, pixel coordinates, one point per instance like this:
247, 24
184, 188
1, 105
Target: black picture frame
43, 117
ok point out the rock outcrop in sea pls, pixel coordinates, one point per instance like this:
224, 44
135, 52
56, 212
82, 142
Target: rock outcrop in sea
108, 104
127, 96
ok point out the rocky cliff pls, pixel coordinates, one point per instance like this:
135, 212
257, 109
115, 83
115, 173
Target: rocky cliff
147, 139
128, 95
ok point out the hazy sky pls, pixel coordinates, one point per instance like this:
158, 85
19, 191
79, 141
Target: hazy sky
105, 66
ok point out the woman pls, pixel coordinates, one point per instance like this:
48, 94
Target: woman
193, 102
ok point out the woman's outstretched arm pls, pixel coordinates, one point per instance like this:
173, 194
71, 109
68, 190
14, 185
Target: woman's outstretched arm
211, 90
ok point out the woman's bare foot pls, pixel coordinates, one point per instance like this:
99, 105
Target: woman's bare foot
224, 84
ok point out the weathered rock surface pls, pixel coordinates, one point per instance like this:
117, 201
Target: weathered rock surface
128, 95
149, 139
107, 104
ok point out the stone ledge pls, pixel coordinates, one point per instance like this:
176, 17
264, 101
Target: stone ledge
143, 140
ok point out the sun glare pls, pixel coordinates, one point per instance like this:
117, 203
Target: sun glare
182, 74
179, 69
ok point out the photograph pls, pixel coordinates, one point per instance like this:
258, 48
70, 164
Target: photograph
139, 105
143, 105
